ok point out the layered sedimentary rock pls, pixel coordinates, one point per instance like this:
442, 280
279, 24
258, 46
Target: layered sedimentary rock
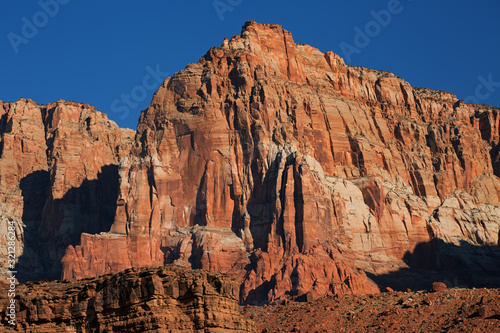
267, 160
137, 300
58, 178
296, 173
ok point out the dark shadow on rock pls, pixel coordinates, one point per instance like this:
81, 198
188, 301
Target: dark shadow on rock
265, 206
495, 159
464, 266
4, 128
200, 217
261, 204
259, 295
34, 189
54, 224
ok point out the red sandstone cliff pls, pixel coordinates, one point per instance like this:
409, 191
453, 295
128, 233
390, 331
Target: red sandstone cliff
58, 178
297, 174
294, 172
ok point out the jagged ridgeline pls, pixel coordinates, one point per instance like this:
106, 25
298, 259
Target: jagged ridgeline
267, 160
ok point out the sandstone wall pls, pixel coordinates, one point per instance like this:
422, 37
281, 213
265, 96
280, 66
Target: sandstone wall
58, 178
269, 161
321, 170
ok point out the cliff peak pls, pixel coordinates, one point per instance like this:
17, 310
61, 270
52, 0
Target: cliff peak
276, 164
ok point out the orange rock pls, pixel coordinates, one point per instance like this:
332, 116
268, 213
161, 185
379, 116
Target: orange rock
438, 286
321, 170
278, 164
137, 300
58, 178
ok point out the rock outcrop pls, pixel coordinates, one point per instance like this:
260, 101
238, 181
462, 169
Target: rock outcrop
272, 162
58, 178
137, 300
284, 167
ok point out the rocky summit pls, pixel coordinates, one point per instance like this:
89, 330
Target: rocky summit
270, 161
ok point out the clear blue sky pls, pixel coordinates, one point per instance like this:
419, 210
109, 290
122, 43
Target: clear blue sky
97, 51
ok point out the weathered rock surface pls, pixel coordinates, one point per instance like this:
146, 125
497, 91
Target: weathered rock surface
58, 178
323, 171
452, 310
267, 160
137, 300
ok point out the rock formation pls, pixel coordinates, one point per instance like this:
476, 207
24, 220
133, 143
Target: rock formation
58, 178
299, 175
284, 167
136, 300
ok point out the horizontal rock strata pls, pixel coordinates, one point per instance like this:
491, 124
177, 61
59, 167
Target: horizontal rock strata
136, 300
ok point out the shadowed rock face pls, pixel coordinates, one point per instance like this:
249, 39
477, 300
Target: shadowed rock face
58, 178
137, 300
288, 169
293, 172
